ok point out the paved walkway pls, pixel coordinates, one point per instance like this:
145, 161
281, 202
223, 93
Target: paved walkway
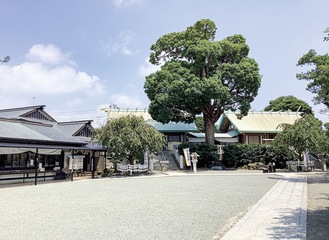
280, 214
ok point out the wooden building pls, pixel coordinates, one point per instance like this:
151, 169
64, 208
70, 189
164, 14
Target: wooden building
256, 127
29, 135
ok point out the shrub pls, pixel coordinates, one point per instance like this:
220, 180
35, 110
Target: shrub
208, 153
239, 155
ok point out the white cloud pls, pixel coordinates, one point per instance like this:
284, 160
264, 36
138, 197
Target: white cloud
147, 68
47, 54
40, 77
125, 3
120, 45
125, 101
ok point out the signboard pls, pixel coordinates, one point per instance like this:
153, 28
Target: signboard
146, 160
76, 162
187, 156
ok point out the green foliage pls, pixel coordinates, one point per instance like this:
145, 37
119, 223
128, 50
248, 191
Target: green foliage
318, 76
199, 122
285, 103
306, 134
129, 137
237, 155
200, 75
207, 153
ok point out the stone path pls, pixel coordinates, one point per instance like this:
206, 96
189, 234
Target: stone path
280, 214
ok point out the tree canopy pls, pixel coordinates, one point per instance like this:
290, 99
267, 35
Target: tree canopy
129, 137
318, 76
200, 75
306, 134
286, 103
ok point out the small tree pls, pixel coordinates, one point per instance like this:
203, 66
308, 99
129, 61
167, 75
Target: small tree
129, 137
305, 134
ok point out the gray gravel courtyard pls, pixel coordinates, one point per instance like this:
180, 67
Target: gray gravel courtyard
151, 207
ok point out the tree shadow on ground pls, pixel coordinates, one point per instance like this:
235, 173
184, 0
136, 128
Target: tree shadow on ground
288, 226
318, 178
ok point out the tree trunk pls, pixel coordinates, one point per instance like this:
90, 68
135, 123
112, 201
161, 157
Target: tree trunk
131, 159
209, 126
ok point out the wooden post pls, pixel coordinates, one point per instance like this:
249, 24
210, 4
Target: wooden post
72, 165
92, 165
36, 165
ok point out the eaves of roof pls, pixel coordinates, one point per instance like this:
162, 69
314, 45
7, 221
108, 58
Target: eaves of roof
46, 146
172, 127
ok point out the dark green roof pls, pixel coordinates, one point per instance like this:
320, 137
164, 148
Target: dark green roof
172, 126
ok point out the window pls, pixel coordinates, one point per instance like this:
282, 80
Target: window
22, 160
271, 136
3, 159
174, 138
253, 140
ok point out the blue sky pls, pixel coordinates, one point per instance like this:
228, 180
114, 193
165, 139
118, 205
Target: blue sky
78, 56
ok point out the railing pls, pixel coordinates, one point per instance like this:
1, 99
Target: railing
136, 168
23, 175
295, 165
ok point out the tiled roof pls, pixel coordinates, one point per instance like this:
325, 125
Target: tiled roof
17, 112
73, 127
23, 130
25, 112
259, 122
32, 126
172, 126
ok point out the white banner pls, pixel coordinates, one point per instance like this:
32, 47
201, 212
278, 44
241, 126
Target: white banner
187, 156
146, 160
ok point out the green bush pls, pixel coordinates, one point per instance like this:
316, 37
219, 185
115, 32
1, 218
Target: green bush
207, 153
239, 155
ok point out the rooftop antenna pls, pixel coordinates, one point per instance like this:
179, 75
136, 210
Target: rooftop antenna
33, 100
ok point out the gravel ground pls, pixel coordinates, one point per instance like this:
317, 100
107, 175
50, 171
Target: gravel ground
318, 206
182, 207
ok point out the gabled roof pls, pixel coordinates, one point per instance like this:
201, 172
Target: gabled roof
20, 130
257, 122
73, 128
26, 112
172, 126
32, 126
